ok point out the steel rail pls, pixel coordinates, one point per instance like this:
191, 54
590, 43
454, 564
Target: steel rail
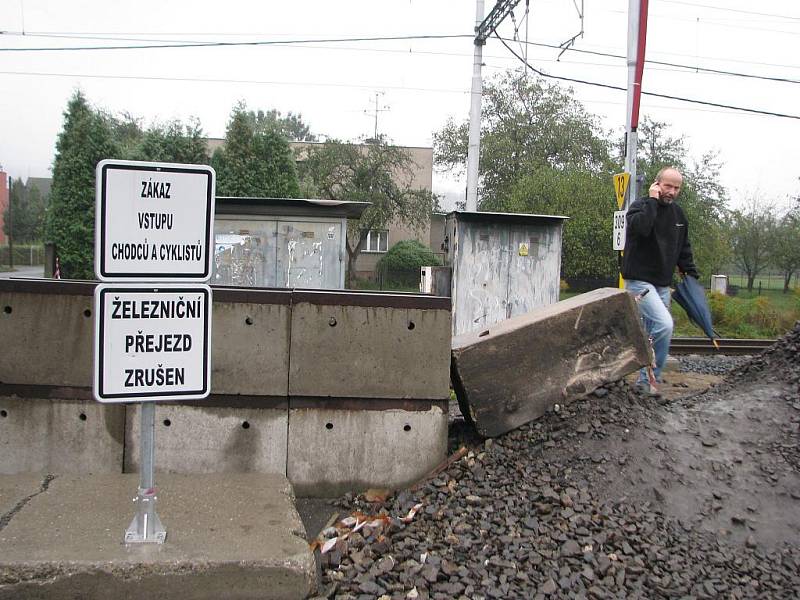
728, 346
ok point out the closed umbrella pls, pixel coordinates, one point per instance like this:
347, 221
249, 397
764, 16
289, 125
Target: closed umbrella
692, 298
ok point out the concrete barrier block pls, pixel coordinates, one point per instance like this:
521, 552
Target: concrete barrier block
516, 370
52, 336
68, 436
336, 450
250, 347
232, 536
200, 438
369, 346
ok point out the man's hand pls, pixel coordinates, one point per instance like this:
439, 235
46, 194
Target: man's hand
655, 190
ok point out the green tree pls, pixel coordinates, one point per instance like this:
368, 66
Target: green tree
752, 237
786, 246
408, 255
291, 126
542, 152
378, 173
253, 163
85, 140
25, 224
127, 132
526, 124
173, 142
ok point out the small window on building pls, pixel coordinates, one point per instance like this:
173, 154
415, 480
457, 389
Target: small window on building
377, 240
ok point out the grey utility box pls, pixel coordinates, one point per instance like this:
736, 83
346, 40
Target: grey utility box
280, 242
503, 265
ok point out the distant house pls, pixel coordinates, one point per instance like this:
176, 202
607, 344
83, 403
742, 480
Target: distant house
379, 241
43, 184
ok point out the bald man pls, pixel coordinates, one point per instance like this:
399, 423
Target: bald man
657, 241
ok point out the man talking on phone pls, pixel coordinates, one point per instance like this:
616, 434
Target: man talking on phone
657, 241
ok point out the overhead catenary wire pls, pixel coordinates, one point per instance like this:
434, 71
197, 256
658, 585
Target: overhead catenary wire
654, 94
670, 64
159, 43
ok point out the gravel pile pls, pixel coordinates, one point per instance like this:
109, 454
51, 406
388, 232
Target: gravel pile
562, 508
781, 360
710, 365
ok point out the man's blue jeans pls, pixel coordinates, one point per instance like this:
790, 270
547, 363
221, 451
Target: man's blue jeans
654, 309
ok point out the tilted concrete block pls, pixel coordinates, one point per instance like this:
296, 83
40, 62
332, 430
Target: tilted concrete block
369, 346
204, 438
336, 450
515, 371
66, 436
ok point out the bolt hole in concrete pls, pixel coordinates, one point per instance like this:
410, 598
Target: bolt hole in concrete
411, 325
406, 427
249, 320
7, 309
332, 322
82, 416
328, 425
245, 425
167, 422
87, 313
3, 413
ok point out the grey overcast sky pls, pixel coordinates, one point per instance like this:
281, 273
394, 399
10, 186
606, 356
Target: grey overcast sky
421, 82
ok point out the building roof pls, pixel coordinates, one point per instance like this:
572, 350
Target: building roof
304, 207
500, 217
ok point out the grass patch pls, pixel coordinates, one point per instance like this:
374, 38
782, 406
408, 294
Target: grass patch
747, 315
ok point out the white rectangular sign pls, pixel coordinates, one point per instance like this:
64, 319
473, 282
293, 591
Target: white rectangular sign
152, 343
620, 224
154, 221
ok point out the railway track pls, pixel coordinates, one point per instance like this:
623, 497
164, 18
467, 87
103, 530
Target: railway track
726, 346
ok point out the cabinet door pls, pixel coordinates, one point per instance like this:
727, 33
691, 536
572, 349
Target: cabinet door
534, 269
310, 254
481, 288
244, 253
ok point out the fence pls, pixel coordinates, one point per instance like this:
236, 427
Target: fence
24, 255
765, 281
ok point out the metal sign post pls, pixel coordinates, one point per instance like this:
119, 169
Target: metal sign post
154, 224
146, 527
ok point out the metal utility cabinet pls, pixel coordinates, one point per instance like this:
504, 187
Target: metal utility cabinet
279, 242
503, 264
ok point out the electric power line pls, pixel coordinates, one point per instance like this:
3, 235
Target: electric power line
654, 94
235, 44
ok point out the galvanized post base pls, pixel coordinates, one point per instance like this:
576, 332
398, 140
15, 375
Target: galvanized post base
146, 527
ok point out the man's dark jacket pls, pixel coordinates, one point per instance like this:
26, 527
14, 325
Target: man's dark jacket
657, 239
